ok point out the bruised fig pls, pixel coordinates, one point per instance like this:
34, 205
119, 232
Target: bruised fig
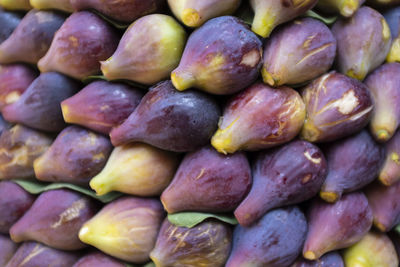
207, 245
298, 52
353, 163
14, 202
126, 228
390, 172
76, 156
98, 259
148, 51
375, 249
384, 85
392, 16
363, 42
274, 241
286, 175
170, 120
337, 106
260, 117
208, 181
8, 21
269, 14
23, 5
32, 254
14, 80
194, 13
19, 147
63, 5
136, 169
79, 46
221, 57
331, 259
39, 106
8, 248
338, 225
101, 105
32, 37
346, 8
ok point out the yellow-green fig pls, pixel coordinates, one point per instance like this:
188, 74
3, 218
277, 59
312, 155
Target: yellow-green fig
63, 5
16, 4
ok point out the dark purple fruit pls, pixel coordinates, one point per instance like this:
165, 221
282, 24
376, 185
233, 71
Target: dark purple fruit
7, 249
8, 21
331, 259
98, 259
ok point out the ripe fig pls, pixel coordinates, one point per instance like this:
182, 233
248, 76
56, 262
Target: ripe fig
331, 259
392, 16
63, 5
20, 5
98, 259
8, 248
346, 8
8, 21
390, 172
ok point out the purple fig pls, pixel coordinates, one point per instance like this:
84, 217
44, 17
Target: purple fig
32, 37
14, 202
353, 163
384, 84
21, 5
170, 120
337, 106
331, 259
8, 21
221, 57
79, 46
19, 147
338, 225
274, 241
32, 254
101, 105
207, 245
7, 249
247, 124
363, 42
126, 228
390, 172
208, 181
98, 259
284, 176
346, 8
392, 17
76, 156
63, 5
39, 106
55, 219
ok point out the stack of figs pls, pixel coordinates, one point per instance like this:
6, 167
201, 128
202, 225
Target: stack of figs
237, 133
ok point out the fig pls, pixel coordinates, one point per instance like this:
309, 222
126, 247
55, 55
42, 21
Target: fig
283, 176
337, 106
79, 46
136, 169
20, 5
126, 228
331, 259
31, 38
75, 156
333, 226
390, 172
207, 245
148, 51
221, 57
63, 5
363, 42
8, 21
208, 181
170, 120
275, 240
353, 162
300, 51
101, 105
39, 106
98, 259
346, 8
260, 117
383, 3
8, 248
392, 17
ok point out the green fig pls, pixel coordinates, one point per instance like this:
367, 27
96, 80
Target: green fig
63, 5
16, 4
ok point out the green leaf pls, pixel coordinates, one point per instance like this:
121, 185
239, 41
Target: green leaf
150, 264
35, 187
191, 219
326, 20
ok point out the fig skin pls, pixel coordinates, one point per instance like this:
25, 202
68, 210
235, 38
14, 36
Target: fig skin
17, 5
98, 259
337, 106
8, 21
392, 17
221, 57
63, 5
206, 244
8, 248
101, 105
390, 171
331, 259
300, 51
79, 45
345, 8
258, 118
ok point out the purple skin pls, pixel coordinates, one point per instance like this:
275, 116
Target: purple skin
32, 254
336, 226
8, 248
331, 259
274, 241
98, 259
78, 47
170, 120
390, 172
32, 38
8, 21
392, 17
101, 105
14, 202
76, 156
208, 181
55, 219
353, 163
221, 57
312, 49
39, 106
283, 176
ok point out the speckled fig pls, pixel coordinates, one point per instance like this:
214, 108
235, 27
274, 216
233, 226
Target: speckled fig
98, 259
8, 21
345, 8
390, 172
331, 259
260, 117
221, 57
19, 5
392, 17
63, 5
8, 248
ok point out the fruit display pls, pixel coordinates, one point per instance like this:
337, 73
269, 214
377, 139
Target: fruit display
212, 133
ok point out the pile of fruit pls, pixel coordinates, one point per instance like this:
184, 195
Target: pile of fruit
208, 133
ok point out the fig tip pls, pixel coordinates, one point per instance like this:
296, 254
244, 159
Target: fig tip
380, 226
349, 7
382, 135
182, 80
330, 197
191, 17
268, 78
309, 255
